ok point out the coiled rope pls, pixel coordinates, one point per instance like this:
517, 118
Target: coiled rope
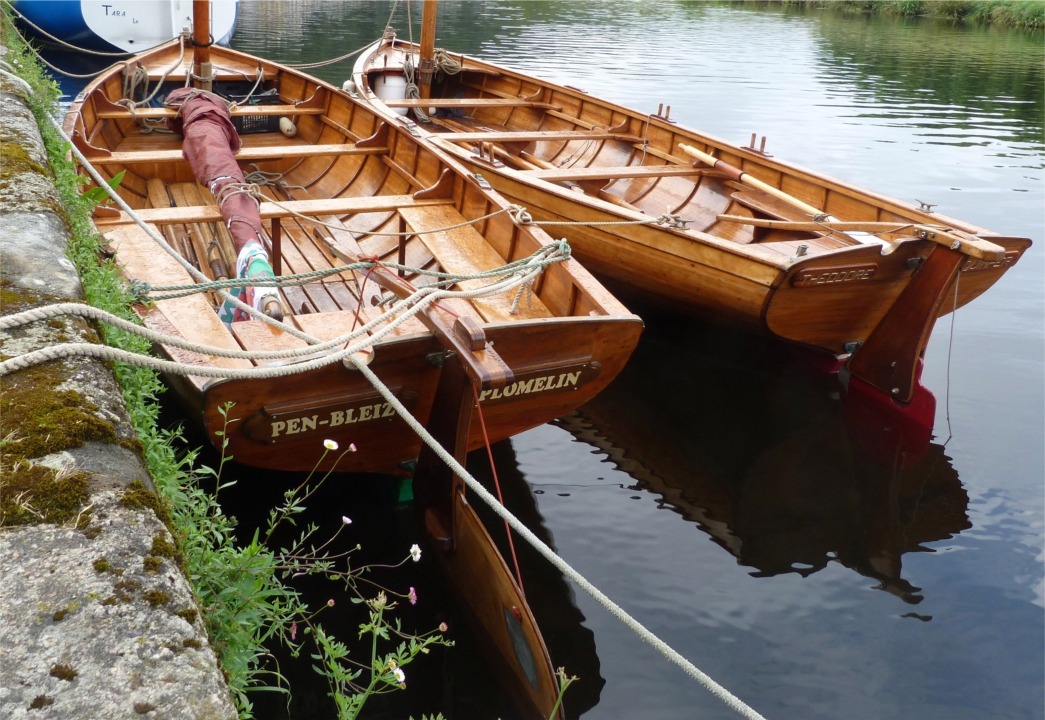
347, 355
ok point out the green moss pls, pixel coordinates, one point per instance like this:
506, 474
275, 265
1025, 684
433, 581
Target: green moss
189, 615
156, 597
138, 497
125, 589
162, 547
40, 702
143, 707
192, 643
101, 565
15, 161
69, 609
48, 419
63, 671
31, 494
152, 564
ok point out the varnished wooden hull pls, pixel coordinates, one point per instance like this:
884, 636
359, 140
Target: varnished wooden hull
566, 156
561, 349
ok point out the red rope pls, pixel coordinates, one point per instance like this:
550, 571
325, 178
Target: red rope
497, 486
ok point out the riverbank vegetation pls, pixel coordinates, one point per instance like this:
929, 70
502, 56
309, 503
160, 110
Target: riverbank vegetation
997, 13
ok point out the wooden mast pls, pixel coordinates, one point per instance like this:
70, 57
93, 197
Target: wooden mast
201, 42
426, 68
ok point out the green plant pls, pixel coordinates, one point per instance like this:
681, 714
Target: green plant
249, 601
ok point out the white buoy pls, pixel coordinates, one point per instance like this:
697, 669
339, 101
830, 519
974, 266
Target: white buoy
287, 127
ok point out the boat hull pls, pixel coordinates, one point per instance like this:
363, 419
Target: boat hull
697, 224
282, 423
123, 25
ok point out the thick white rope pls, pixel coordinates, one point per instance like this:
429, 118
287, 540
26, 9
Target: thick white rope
418, 302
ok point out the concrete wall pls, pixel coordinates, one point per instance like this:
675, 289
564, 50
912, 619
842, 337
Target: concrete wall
97, 619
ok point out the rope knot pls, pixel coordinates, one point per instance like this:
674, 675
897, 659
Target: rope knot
140, 291
820, 217
520, 215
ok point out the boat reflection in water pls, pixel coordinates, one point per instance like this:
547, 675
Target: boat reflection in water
737, 435
571, 645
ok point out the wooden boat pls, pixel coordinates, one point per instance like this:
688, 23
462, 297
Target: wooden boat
347, 167
697, 222
349, 195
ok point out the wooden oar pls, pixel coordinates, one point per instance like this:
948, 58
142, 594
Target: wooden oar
740, 176
954, 239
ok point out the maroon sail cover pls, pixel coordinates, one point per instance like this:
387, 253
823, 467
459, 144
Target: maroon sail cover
210, 143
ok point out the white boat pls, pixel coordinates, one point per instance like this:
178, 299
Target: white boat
121, 25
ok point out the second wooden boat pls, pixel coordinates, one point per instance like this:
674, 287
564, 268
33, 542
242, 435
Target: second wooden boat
696, 222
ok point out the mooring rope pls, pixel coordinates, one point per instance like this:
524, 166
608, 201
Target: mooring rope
670, 220
349, 355
420, 300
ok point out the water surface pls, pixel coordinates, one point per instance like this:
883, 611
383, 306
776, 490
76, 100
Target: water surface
715, 491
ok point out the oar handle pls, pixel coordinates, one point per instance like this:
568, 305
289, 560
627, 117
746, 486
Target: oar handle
740, 176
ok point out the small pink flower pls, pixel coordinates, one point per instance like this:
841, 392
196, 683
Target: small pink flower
330, 602
443, 627
413, 596
293, 631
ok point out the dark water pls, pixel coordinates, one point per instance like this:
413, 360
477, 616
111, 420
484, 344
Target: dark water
715, 491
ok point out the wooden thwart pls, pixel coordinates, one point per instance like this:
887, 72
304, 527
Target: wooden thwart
469, 103
269, 210
162, 113
462, 250
245, 154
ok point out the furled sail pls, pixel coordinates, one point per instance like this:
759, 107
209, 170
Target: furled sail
210, 143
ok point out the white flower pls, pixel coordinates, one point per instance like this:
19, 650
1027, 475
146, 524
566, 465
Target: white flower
346, 520
415, 552
399, 675
330, 444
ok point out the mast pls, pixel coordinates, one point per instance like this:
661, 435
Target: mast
201, 42
426, 68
